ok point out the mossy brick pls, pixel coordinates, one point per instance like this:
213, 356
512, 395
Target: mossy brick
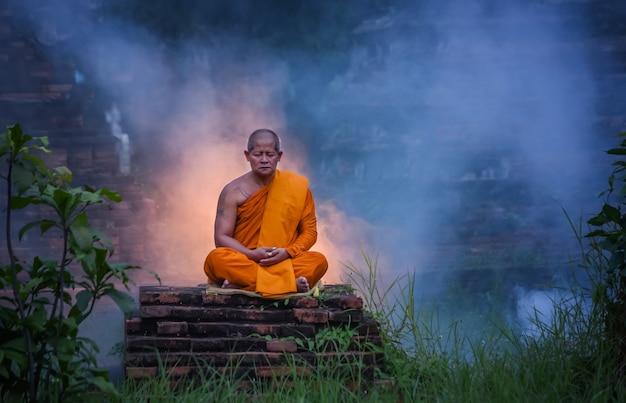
368, 326
311, 315
169, 328
150, 343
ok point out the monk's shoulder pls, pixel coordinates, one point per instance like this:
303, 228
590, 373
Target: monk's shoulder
238, 190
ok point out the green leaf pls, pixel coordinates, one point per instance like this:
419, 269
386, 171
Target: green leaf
44, 225
83, 299
81, 233
22, 178
613, 214
103, 384
18, 202
597, 221
617, 151
124, 301
113, 196
63, 174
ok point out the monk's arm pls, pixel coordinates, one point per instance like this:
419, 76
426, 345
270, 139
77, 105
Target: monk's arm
225, 219
307, 229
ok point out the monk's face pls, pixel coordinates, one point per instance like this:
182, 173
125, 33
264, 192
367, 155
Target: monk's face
263, 157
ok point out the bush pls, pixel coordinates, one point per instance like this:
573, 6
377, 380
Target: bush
45, 300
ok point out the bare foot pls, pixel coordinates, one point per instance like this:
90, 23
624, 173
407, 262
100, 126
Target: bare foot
302, 285
228, 285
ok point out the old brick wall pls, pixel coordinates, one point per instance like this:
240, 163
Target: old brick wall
39, 91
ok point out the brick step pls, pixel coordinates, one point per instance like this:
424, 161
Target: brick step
184, 331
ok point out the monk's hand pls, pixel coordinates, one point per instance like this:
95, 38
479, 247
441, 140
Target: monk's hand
273, 255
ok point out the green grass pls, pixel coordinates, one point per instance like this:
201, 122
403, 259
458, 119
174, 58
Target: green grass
430, 359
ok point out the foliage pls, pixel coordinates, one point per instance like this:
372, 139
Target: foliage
44, 301
607, 252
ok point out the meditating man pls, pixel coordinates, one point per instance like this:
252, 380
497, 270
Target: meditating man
264, 227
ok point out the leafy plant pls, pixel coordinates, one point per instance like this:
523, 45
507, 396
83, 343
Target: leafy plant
607, 251
44, 301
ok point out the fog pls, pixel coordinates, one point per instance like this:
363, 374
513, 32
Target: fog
427, 127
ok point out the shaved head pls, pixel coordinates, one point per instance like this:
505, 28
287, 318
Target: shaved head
261, 132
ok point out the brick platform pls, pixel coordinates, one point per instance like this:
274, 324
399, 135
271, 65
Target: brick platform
183, 331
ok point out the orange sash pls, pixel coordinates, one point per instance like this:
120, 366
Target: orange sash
283, 210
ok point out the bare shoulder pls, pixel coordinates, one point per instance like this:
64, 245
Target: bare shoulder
237, 191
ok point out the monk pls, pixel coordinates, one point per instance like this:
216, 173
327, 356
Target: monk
264, 227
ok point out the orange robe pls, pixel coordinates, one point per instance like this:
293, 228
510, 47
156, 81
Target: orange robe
280, 214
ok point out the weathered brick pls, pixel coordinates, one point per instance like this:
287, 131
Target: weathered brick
186, 297
345, 302
140, 326
287, 346
283, 371
212, 314
227, 344
234, 329
306, 302
311, 315
178, 328
136, 343
301, 331
156, 311
231, 300
349, 316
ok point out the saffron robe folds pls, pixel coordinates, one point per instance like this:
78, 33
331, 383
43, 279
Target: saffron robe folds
281, 214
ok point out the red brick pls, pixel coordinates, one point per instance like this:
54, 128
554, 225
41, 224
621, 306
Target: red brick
311, 315
306, 302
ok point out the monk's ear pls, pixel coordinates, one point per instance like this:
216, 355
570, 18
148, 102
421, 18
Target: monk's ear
247, 154
280, 154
